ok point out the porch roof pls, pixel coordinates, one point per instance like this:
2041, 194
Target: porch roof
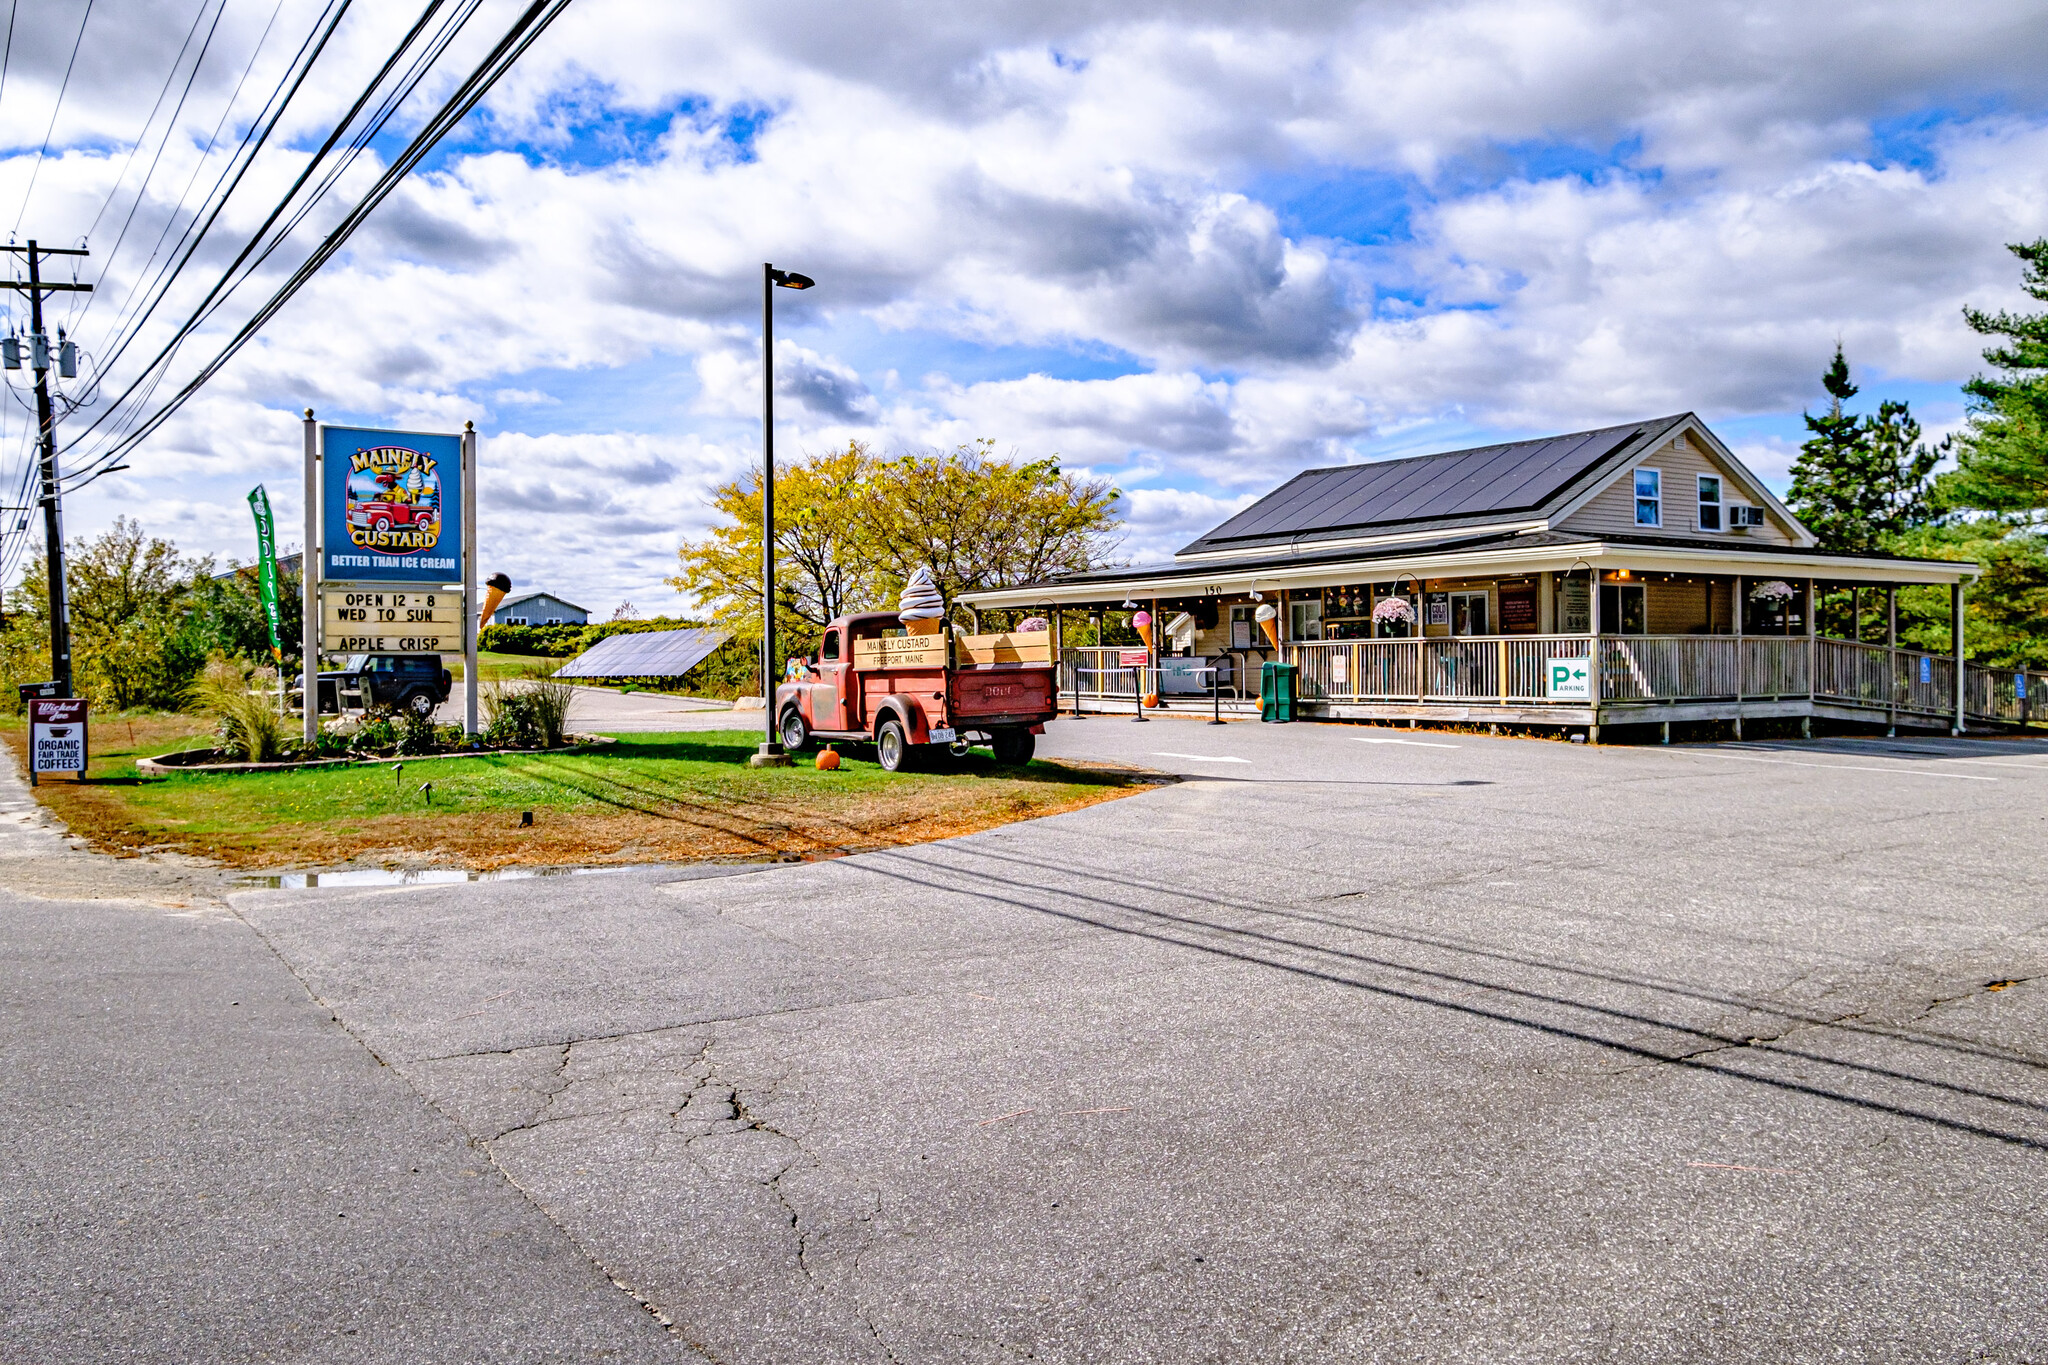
1471, 555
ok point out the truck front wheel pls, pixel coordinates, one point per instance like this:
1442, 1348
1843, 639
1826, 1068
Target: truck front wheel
1013, 747
795, 734
893, 748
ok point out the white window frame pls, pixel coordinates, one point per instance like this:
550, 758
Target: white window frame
1718, 503
1635, 486
1306, 612
1485, 609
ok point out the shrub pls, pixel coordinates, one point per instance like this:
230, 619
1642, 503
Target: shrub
529, 715
376, 735
247, 723
416, 735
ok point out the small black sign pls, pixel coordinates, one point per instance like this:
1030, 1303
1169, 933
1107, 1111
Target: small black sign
40, 691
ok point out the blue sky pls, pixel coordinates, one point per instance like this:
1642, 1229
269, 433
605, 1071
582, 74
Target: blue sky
1187, 247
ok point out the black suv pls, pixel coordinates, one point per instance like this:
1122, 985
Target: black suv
396, 682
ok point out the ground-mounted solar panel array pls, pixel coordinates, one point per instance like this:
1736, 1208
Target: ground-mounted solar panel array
646, 654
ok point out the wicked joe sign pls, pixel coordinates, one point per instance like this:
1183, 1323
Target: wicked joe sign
391, 506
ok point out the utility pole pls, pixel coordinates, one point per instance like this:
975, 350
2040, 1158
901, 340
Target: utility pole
46, 420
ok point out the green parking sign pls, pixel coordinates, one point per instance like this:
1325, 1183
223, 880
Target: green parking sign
1570, 679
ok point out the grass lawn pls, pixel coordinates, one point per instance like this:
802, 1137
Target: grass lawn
647, 798
499, 667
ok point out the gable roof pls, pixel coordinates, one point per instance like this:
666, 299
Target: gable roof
517, 598
1518, 480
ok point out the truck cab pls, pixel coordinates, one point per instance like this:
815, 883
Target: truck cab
873, 680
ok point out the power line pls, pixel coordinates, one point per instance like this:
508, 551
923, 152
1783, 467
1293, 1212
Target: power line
143, 136
517, 39
36, 170
7, 57
170, 128
252, 143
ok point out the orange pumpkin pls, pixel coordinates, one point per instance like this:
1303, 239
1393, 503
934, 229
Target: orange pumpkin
828, 759
1151, 699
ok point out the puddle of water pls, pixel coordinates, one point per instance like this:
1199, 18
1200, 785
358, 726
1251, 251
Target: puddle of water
377, 876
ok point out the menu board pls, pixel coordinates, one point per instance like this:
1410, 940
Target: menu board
1353, 599
1518, 611
1574, 606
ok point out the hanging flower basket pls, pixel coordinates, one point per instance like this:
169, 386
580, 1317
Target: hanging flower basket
1777, 590
1393, 611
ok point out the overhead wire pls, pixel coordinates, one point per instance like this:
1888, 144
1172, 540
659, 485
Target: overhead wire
518, 38
142, 189
143, 136
222, 286
55, 109
198, 167
7, 54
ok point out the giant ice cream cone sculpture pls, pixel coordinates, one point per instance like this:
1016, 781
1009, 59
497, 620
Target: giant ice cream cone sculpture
495, 588
1268, 617
1142, 623
921, 607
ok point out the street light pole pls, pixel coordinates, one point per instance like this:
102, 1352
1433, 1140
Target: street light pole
770, 754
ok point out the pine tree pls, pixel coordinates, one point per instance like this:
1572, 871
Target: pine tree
1860, 480
2002, 465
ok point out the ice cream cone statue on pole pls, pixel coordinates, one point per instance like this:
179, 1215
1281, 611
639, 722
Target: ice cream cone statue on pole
1268, 617
1142, 623
921, 609
495, 588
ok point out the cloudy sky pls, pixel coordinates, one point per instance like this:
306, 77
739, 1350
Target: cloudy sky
1190, 247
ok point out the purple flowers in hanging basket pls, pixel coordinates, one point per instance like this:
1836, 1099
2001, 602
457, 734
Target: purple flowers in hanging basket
1392, 611
1777, 590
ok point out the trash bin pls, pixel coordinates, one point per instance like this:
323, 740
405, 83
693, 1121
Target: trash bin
1276, 691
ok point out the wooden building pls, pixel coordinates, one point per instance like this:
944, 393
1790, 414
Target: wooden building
1633, 574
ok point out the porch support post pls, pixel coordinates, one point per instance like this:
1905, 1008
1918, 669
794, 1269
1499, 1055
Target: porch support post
1593, 651
1955, 612
1891, 645
1739, 653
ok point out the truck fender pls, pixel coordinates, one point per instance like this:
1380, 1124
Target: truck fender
906, 710
1038, 729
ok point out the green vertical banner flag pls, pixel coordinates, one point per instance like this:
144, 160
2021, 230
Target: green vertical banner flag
266, 566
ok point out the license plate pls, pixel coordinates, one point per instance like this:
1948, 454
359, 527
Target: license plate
943, 735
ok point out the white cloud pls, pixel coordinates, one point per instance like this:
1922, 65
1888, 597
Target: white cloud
1611, 211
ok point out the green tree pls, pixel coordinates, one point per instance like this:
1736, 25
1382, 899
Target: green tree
1859, 480
2005, 619
825, 565
979, 522
2002, 456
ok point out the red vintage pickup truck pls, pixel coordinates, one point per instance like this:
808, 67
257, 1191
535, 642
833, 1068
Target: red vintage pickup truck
914, 695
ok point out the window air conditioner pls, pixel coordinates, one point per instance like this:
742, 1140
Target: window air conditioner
1740, 516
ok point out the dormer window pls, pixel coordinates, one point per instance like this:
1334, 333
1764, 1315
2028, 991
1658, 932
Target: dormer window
1710, 502
1649, 497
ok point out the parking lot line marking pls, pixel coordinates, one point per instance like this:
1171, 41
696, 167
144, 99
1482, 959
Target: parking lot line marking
1199, 758
1841, 767
1415, 743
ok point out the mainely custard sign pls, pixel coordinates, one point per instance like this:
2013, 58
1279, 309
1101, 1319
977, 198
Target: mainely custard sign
393, 505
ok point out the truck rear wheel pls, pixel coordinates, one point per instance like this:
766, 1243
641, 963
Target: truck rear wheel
1013, 746
796, 735
893, 749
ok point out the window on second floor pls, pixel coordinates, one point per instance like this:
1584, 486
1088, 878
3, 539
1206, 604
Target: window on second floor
1710, 502
1649, 497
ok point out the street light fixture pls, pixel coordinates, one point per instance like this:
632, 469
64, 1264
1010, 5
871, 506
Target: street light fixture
771, 754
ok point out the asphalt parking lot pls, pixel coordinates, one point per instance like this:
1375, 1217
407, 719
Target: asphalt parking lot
1352, 1045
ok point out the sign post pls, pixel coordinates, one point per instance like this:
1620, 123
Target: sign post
56, 736
309, 593
473, 617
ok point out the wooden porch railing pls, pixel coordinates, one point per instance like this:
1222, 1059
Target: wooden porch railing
1513, 670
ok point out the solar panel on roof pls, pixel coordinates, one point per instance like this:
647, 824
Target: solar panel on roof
1487, 481
645, 654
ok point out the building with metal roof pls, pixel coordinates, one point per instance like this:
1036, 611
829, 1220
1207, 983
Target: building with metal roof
1465, 585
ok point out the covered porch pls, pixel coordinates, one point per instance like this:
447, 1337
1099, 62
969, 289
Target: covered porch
1599, 635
